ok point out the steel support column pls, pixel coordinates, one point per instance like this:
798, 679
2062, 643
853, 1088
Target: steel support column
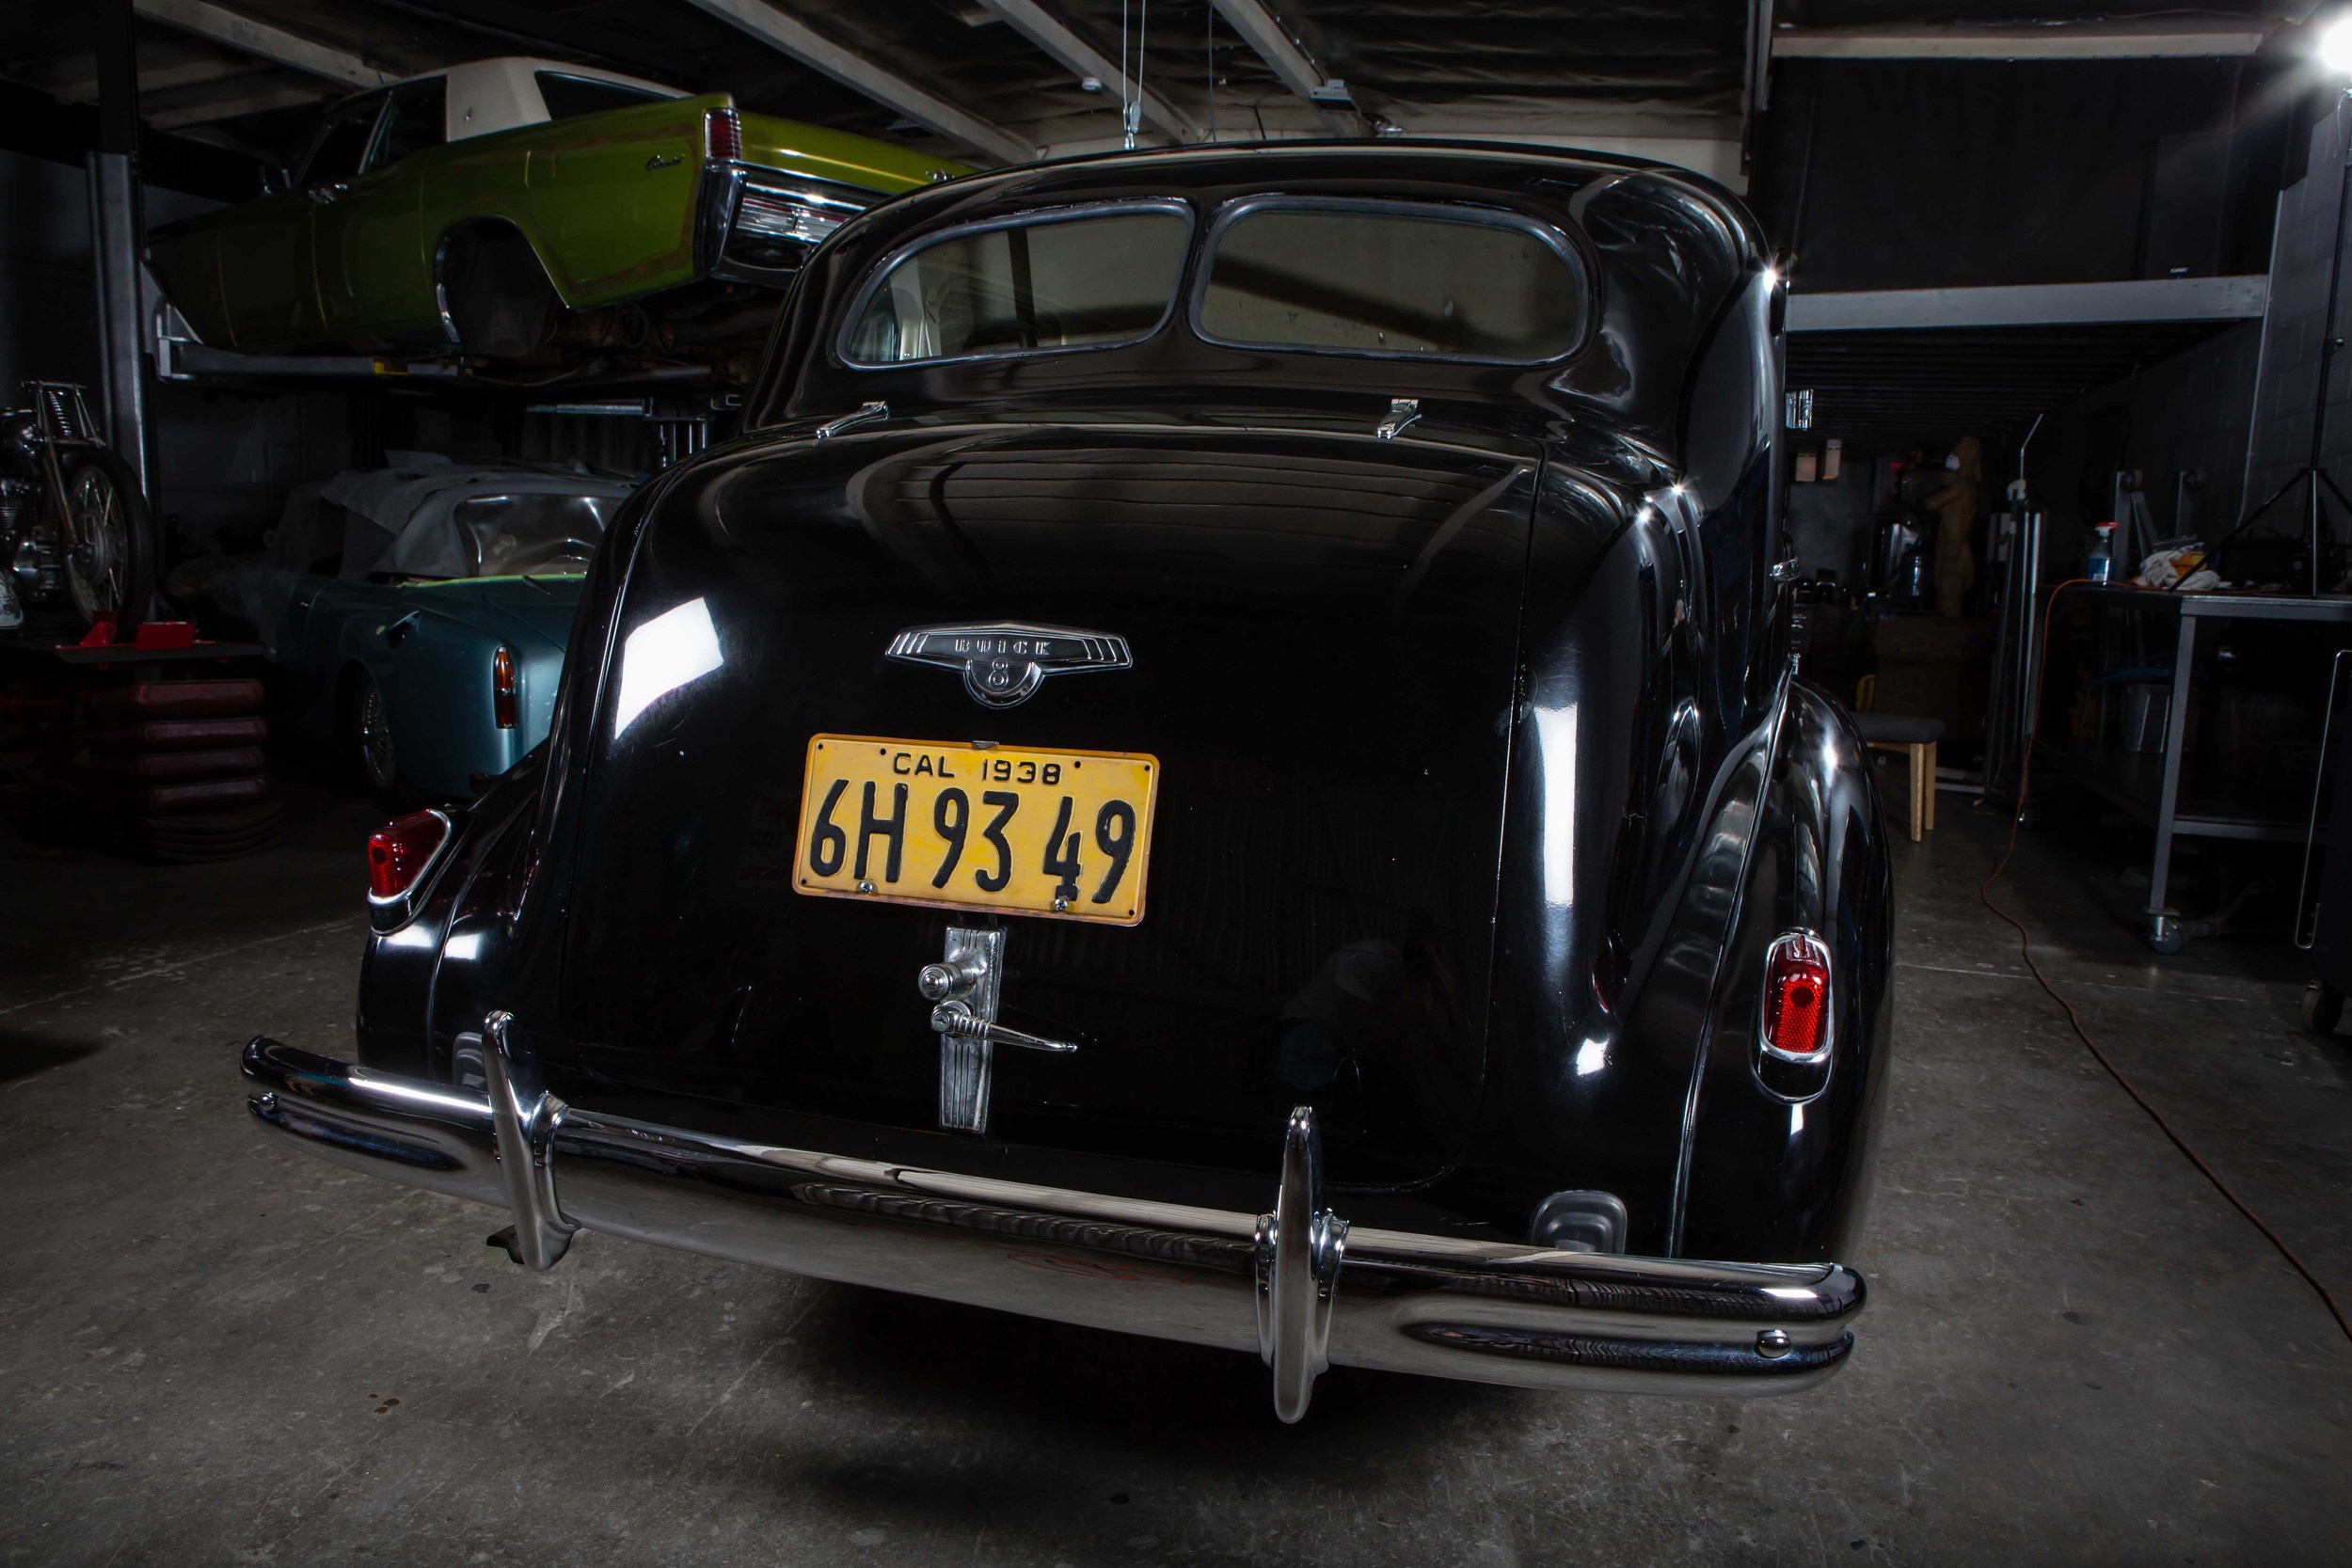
117, 238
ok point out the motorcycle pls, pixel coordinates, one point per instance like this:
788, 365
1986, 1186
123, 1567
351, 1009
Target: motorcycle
74, 525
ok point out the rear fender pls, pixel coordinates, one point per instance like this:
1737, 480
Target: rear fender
433, 672
505, 888
1778, 1157
607, 201
820, 153
435, 968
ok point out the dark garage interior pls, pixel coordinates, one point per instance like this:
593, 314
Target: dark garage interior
1237, 781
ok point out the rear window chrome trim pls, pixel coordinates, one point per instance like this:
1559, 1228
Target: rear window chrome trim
1031, 219
1549, 236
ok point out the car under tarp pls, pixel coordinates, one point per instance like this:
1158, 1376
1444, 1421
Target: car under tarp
433, 517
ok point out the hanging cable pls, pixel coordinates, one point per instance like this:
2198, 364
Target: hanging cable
1133, 118
1126, 82
2025, 947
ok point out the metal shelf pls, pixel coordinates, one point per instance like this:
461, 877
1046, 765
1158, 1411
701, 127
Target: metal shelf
2133, 783
2327, 608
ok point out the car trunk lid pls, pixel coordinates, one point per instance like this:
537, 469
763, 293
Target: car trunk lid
1323, 628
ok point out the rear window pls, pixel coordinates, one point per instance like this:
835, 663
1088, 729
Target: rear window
566, 96
1423, 281
1082, 279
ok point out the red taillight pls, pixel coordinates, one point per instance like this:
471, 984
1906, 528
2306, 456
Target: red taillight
398, 851
1796, 995
722, 136
505, 689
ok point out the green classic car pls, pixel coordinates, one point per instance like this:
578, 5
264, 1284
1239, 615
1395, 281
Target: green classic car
458, 210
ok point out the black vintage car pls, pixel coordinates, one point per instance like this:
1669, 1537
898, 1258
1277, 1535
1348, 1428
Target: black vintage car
1221, 761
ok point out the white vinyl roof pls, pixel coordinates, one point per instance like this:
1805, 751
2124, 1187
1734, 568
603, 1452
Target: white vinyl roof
502, 94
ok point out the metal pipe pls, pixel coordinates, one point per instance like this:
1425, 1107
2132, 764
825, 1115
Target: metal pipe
2164, 932
2311, 828
2012, 719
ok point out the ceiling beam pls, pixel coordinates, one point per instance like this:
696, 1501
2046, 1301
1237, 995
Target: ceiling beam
250, 100
790, 35
1292, 66
75, 79
2145, 299
1756, 90
2194, 38
263, 40
1076, 55
568, 35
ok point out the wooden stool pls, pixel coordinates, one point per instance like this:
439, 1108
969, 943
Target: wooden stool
1901, 731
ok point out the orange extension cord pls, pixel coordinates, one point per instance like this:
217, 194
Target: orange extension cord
2025, 946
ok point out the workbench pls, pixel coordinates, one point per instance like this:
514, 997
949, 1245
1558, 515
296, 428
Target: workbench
2147, 785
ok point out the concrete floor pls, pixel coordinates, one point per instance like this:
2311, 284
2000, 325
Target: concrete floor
213, 1351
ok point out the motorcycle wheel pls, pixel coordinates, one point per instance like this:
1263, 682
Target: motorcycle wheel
110, 569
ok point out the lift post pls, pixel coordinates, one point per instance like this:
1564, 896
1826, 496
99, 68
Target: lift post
117, 239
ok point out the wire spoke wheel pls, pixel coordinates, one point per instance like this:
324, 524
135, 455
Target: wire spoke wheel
378, 756
97, 567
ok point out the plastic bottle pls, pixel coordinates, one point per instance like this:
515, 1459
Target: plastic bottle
2101, 566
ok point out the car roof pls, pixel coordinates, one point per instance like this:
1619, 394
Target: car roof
1532, 177
1663, 249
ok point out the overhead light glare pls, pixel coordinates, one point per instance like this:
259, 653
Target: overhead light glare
2335, 46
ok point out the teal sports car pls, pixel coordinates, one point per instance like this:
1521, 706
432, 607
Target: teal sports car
419, 614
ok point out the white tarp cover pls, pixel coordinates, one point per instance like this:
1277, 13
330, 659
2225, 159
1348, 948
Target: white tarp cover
403, 521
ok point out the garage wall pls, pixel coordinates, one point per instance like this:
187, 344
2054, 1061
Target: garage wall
1953, 174
2186, 414
48, 321
2296, 319
2201, 409
2204, 410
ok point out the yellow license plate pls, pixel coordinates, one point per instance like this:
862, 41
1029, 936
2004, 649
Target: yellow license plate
1062, 834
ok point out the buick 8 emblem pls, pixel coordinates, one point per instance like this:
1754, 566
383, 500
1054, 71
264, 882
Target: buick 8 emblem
1004, 663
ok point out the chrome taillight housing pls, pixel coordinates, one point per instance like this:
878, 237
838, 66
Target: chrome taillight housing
1794, 1023
402, 854
506, 690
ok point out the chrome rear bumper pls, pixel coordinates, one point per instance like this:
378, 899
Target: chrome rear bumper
1297, 1283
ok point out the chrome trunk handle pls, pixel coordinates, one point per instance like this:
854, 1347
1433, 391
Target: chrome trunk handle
963, 987
955, 1020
